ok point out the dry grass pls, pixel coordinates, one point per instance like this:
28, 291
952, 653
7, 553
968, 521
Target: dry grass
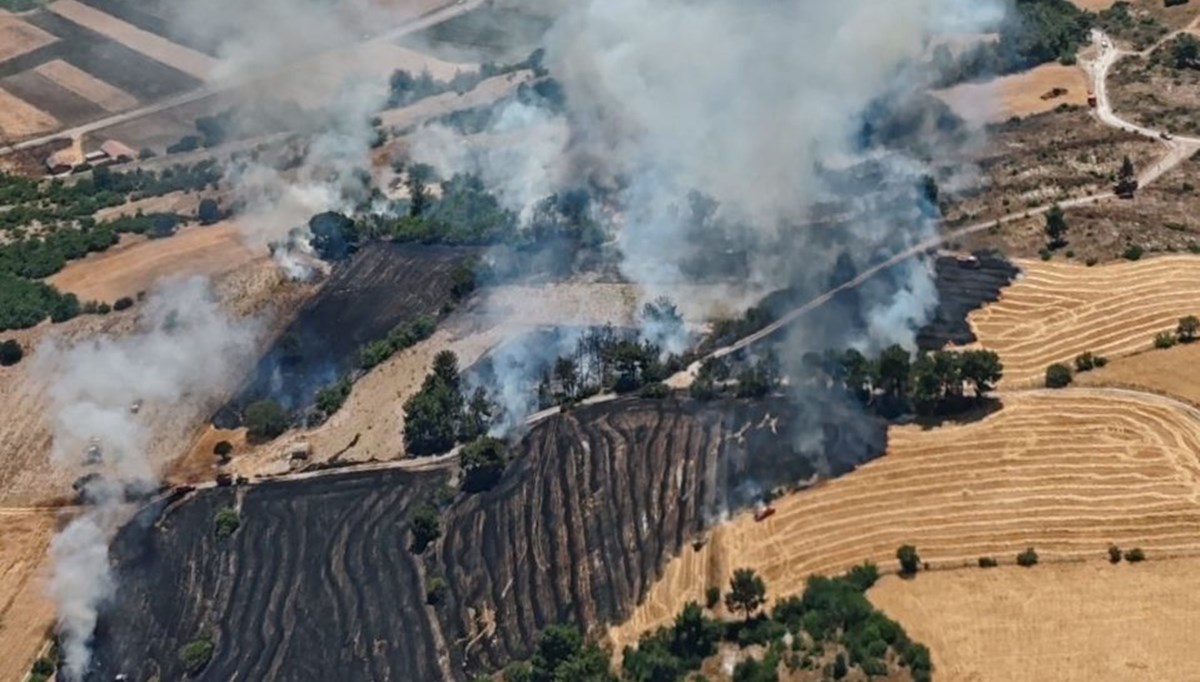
1149, 91
156, 47
1017, 95
19, 118
1069, 622
1093, 5
1173, 371
137, 263
26, 615
18, 37
107, 97
1067, 472
1057, 311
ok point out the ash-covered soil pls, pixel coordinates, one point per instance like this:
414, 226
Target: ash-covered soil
379, 287
318, 581
964, 287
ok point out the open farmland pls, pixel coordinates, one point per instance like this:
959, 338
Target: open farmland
19, 118
578, 529
136, 264
1074, 622
1172, 371
107, 97
1056, 311
1067, 472
1020, 94
26, 615
18, 37
66, 106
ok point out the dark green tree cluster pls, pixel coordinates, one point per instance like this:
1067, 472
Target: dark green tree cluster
1142, 29
1058, 375
10, 353
425, 525
226, 522
401, 337
1087, 361
329, 399
932, 383
1185, 52
196, 654
439, 416
604, 360
265, 419
483, 461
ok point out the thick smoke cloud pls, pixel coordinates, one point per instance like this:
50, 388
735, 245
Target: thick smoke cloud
186, 350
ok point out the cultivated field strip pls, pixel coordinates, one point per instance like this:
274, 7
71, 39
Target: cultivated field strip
1066, 472
1056, 311
18, 37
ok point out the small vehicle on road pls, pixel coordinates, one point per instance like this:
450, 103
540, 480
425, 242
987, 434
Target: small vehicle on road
1166, 136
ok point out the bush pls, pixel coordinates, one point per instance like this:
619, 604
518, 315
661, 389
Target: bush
1164, 340
910, 561
1133, 252
1187, 329
1135, 555
1058, 375
1084, 362
435, 591
226, 522
208, 212
42, 666
123, 303
195, 655
712, 597
331, 398
1027, 558
426, 527
1114, 554
656, 391
988, 562
265, 419
483, 464
10, 353
223, 449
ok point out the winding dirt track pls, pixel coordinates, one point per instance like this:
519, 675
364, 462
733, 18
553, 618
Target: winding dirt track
1058, 310
1067, 472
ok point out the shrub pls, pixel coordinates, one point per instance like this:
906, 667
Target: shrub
226, 522
1135, 555
330, 399
425, 527
1187, 328
988, 562
910, 561
1091, 261
42, 666
1084, 362
1027, 558
266, 419
195, 655
1099, 361
435, 591
1114, 554
1133, 252
712, 597
10, 353
655, 391
1164, 340
223, 449
1058, 375
483, 464
208, 212
123, 303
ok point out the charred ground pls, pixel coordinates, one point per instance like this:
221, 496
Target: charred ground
582, 524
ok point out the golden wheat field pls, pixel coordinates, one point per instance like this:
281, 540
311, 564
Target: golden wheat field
1056, 311
1067, 472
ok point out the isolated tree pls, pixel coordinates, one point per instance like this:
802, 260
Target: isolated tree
1186, 52
223, 449
1058, 375
1135, 555
1056, 227
1027, 558
431, 418
426, 527
1187, 329
747, 592
910, 561
1085, 362
208, 212
929, 189
265, 419
1114, 554
10, 353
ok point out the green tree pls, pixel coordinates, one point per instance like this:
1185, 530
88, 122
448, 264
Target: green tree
1164, 340
208, 212
10, 353
483, 464
1085, 362
982, 370
1187, 329
425, 524
1056, 227
445, 367
226, 522
265, 419
856, 373
1058, 375
747, 592
892, 371
694, 635
195, 655
1027, 558
223, 449
712, 597
1186, 52
910, 561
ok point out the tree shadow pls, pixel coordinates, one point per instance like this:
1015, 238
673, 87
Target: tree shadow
978, 410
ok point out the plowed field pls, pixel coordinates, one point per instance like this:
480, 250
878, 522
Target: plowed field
1067, 472
1059, 310
25, 613
18, 37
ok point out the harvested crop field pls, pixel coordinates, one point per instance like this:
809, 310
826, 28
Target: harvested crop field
137, 263
26, 615
1020, 94
1066, 472
962, 288
105, 96
1075, 622
67, 106
191, 62
1056, 311
18, 37
19, 118
620, 486
1173, 371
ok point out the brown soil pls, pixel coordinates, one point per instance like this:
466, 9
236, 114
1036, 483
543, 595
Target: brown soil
1068, 472
26, 615
19, 118
154, 46
18, 37
1071, 622
1172, 371
1057, 311
85, 85
1017, 95
137, 263
1038, 160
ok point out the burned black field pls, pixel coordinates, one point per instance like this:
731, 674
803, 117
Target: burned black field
379, 287
318, 581
964, 286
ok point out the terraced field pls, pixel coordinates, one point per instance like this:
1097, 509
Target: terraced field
1058, 310
318, 582
26, 615
1067, 472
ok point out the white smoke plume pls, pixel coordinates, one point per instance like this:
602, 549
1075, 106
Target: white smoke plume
186, 351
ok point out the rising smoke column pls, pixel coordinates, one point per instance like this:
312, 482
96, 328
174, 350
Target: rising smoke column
186, 350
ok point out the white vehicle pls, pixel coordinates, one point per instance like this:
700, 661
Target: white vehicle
93, 455
135, 406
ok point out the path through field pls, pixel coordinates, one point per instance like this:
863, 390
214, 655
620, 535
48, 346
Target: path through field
1067, 472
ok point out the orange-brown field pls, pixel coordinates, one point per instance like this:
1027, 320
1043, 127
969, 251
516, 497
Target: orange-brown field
1069, 622
1017, 95
138, 263
1067, 472
1058, 310
18, 37
1174, 372
19, 118
107, 97
25, 613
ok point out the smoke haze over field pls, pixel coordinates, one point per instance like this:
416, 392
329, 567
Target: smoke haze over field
186, 349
